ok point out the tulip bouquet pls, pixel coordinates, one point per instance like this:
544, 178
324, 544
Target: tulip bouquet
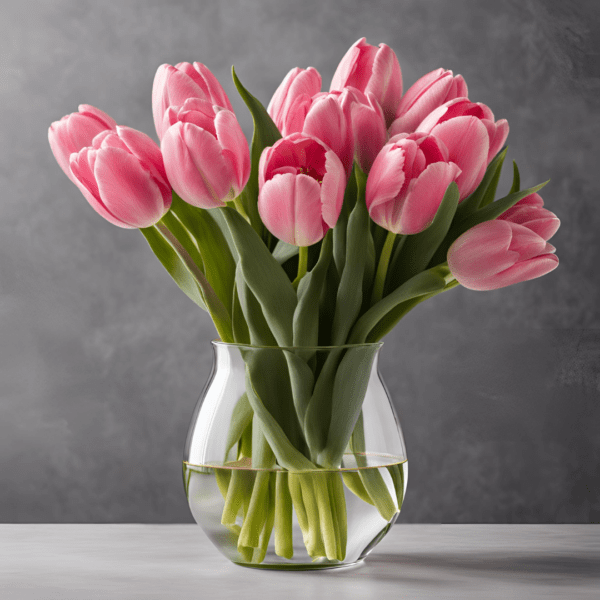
349, 208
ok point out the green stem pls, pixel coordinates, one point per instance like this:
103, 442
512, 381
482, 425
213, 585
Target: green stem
283, 517
382, 268
302, 265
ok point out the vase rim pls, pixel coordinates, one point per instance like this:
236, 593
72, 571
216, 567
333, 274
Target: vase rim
218, 342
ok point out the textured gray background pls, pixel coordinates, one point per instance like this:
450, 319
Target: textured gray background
102, 357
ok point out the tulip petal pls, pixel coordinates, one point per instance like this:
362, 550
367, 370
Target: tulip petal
522, 271
332, 188
386, 178
467, 141
386, 81
290, 207
127, 190
232, 139
500, 135
424, 196
216, 93
419, 87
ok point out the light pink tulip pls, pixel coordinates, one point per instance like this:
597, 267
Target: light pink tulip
123, 178
76, 131
292, 99
368, 127
471, 135
174, 85
530, 212
205, 152
424, 96
408, 181
498, 253
301, 189
371, 69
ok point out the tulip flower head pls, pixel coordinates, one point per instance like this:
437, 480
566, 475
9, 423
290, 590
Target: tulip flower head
407, 182
371, 69
123, 178
301, 189
174, 85
472, 136
424, 96
76, 131
499, 253
206, 155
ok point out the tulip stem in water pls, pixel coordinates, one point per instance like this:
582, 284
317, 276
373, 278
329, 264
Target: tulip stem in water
382, 268
302, 265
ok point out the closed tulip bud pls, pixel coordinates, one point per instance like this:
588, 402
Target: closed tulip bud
424, 96
123, 178
371, 70
407, 182
292, 99
498, 253
368, 127
530, 212
174, 85
471, 135
76, 131
301, 189
205, 152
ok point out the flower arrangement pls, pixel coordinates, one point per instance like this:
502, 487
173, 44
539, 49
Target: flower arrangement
349, 208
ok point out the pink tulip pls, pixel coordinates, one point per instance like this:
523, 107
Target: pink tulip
471, 135
301, 189
408, 181
371, 69
123, 178
76, 131
424, 96
205, 152
530, 212
174, 85
368, 127
498, 253
292, 99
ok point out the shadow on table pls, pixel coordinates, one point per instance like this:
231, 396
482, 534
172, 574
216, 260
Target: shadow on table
535, 569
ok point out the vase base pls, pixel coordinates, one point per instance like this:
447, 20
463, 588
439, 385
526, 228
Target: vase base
300, 567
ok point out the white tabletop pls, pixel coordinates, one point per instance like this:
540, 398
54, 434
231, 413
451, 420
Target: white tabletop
483, 562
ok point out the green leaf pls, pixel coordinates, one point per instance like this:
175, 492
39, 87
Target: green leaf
516, 184
349, 296
219, 264
218, 312
241, 333
349, 388
287, 455
418, 249
472, 202
487, 213
171, 261
490, 192
419, 285
265, 134
340, 229
265, 277
284, 251
306, 315
240, 418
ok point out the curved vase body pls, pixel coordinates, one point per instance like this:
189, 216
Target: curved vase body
259, 509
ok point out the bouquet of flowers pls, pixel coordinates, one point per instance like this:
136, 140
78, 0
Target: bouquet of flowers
349, 208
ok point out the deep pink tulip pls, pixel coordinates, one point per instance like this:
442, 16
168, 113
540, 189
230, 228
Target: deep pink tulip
301, 189
371, 69
498, 253
408, 181
471, 135
76, 131
292, 99
530, 212
424, 96
368, 127
123, 178
174, 85
205, 152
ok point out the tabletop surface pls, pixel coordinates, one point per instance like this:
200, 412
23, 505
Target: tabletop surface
485, 562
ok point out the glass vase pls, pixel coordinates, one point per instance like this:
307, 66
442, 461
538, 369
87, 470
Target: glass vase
295, 457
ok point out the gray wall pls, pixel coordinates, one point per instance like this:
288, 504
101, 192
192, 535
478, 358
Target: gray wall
102, 357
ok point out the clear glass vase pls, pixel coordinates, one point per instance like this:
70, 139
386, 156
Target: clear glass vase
295, 457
